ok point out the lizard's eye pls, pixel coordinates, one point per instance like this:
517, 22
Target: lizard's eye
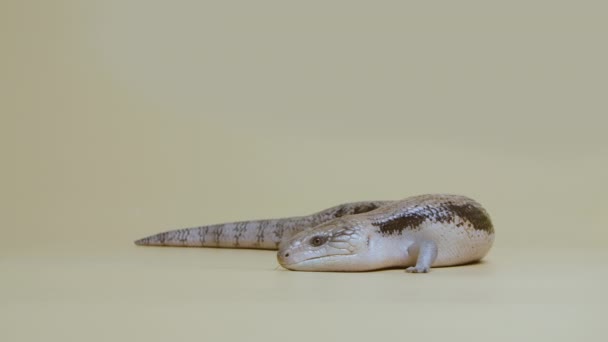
318, 240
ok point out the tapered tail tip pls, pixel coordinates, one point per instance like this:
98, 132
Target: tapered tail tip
142, 242
161, 239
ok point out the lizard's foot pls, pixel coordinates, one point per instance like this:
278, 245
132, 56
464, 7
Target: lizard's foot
417, 269
425, 252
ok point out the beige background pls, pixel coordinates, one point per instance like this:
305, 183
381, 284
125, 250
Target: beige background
124, 118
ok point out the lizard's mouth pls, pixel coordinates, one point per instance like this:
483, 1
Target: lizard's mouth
328, 262
287, 264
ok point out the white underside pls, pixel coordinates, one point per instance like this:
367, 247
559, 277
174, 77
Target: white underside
455, 245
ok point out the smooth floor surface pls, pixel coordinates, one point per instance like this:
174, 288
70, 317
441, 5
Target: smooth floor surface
171, 294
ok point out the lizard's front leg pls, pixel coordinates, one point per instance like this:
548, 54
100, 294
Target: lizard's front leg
425, 252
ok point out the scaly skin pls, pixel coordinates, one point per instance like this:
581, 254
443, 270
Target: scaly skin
416, 233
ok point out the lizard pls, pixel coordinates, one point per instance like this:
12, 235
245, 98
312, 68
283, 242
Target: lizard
415, 233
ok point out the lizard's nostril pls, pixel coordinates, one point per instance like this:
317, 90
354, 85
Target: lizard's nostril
286, 255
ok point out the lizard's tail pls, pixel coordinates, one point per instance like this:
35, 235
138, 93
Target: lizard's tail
259, 234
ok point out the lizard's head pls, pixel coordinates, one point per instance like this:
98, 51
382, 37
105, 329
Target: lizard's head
332, 246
